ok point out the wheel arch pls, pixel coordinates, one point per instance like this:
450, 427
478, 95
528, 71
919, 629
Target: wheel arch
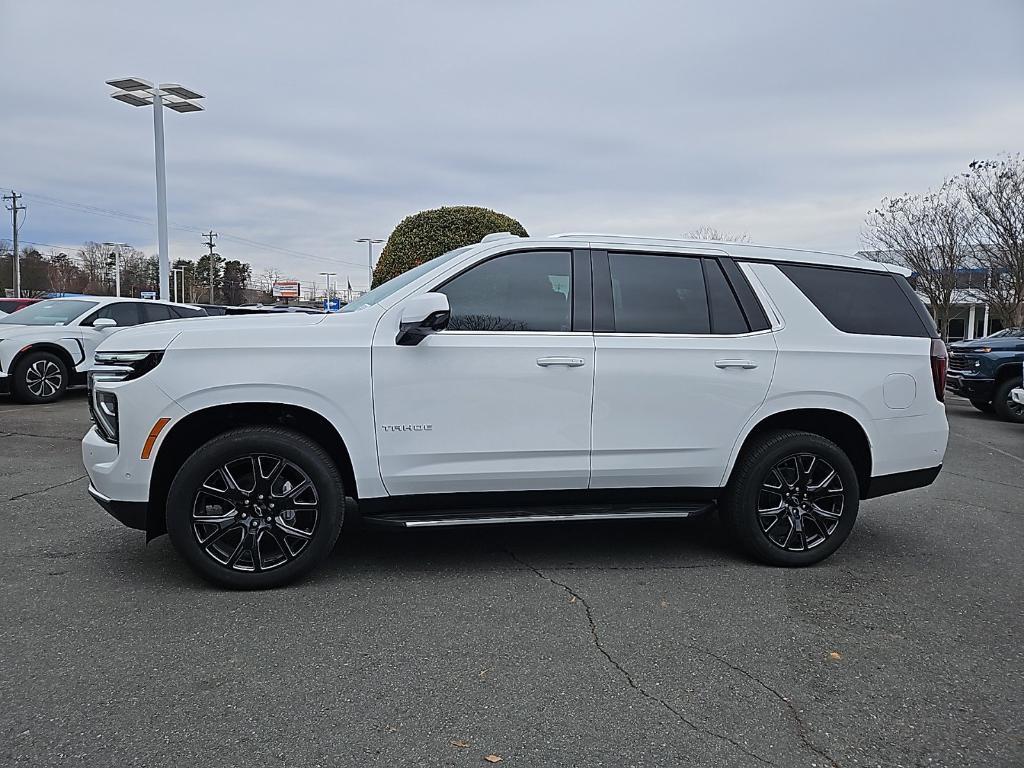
45, 346
204, 424
1007, 370
838, 426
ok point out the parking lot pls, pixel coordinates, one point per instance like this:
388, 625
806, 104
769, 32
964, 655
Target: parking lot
636, 644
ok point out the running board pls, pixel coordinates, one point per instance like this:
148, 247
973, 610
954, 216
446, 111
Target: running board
536, 515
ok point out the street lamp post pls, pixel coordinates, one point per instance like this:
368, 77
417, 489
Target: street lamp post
370, 242
141, 93
117, 265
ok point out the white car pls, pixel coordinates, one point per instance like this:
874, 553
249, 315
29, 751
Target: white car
575, 377
48, 346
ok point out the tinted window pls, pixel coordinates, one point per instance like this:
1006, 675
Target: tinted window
859, 302
124, 314
152, 313
187, 312
519, 292
658, 294
726, 315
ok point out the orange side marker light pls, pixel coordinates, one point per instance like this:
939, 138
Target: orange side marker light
154, 433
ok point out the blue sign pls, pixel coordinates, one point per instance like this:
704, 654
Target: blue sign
332, 305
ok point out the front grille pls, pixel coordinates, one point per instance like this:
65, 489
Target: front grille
958, 361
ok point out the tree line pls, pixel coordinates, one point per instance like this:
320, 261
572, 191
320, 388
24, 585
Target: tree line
974, 220
91, 270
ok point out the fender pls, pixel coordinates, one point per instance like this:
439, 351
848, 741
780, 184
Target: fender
58, 349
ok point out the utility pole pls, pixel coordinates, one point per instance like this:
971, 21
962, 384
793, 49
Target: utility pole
210, 237
14, 208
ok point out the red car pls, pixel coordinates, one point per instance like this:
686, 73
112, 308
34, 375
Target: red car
13, 305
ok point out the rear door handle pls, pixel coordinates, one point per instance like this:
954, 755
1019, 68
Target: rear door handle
569, 362
746, 364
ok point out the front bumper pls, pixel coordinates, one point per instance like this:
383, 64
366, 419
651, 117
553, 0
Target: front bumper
130, 513
5, 385
1017, 395
971, 388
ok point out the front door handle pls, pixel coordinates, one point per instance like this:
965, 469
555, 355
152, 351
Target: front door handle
569, 362
746, 364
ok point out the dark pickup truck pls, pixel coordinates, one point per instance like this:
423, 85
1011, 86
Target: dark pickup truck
986, 370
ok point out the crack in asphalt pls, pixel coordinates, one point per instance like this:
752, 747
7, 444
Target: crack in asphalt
625, 673
977, 506
49, 488
989, 446
985, 480
45, 437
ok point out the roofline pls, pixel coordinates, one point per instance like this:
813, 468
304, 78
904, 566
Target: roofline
687, 241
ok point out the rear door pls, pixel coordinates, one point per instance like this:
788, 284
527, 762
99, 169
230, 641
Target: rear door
683, 359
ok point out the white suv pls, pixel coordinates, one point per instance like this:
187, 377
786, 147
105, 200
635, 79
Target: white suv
575, 377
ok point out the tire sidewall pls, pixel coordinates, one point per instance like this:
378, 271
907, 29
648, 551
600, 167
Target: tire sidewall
20, 385
294, 447
741, 498
1001, 404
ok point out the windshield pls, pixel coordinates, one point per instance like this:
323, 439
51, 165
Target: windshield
52, 312
1006, 332
384, 290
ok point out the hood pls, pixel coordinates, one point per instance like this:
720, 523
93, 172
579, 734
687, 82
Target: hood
36, 332
156, 337
1003, 342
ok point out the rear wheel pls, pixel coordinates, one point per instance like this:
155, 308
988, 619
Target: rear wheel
40, 377
256, 508
1003, 404
792, 499
983, 405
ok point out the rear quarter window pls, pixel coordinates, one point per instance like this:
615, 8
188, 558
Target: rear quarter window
873, 303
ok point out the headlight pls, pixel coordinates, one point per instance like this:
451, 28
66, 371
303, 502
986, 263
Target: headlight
124, 366
104, 410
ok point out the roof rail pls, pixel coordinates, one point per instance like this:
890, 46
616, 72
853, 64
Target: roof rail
497, 236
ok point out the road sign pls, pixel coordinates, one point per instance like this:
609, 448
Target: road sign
332, 305
286, 289
147, 295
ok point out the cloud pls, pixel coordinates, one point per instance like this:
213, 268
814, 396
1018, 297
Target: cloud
330, 121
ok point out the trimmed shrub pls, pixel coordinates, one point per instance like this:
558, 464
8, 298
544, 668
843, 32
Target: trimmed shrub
427, 234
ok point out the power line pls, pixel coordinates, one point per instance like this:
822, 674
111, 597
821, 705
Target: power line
111, 213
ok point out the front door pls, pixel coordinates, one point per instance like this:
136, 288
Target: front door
501, 400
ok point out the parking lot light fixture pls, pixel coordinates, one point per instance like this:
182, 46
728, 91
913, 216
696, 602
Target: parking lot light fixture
137, 92
370, 242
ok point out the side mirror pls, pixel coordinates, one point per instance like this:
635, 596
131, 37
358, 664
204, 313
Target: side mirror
421, 316
102, 323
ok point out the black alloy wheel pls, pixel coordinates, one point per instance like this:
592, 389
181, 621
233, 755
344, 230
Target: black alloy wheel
256, 507
801, 502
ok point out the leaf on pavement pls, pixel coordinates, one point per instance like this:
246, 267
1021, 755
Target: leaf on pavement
835, 655
460, 743
492, 758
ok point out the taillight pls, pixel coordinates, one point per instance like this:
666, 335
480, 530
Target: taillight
939, 364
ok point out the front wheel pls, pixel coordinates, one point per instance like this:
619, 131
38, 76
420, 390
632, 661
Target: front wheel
792, 499
39, 377
256, 507
1003, 404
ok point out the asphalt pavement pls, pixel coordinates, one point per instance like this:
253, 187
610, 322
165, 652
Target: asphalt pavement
612, 644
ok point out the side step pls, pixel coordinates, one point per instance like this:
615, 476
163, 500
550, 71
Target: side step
496, 516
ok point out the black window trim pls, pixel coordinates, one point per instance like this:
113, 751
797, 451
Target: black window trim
577, 259
604, 312
88, 322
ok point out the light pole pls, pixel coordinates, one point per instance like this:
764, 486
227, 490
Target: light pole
327, 277
175, 272
370, 242
141, 93
117, 265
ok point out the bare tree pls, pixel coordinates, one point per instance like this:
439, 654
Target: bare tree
707, 232
928, 234
995, 190
65, 276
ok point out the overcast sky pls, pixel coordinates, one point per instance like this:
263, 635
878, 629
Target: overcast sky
328, 121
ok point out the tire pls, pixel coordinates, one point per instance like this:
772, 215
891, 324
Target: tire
826, 516
39, 377
217, 507
1003, 405
983, 405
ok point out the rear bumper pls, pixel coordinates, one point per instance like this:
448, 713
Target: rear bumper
973, 389
130, 513
883, 485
